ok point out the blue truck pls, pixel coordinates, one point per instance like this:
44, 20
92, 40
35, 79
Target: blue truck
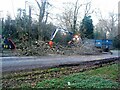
104, 44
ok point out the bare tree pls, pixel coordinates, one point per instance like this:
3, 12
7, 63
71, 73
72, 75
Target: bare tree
72, 14
75, 15
42, 11
69, 17
66, 19
87, 10
41, 7
108, 25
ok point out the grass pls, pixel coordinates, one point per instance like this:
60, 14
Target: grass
103, 77
64, 77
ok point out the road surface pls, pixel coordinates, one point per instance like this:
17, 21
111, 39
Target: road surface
24, 63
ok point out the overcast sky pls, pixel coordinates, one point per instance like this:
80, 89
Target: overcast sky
11, 6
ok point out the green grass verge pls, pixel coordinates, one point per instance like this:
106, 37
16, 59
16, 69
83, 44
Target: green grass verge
103, 77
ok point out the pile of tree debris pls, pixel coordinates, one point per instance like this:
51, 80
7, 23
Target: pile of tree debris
86, 48
41, 48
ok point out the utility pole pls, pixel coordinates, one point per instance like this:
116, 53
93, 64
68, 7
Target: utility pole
25, 13
118, 17
25, 5
30, 30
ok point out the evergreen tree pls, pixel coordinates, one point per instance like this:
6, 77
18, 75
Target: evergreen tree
9, 28
86, 28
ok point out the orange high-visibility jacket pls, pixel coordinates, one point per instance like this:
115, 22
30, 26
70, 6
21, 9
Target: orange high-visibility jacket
51, 43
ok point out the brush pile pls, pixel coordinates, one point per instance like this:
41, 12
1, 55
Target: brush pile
41, 48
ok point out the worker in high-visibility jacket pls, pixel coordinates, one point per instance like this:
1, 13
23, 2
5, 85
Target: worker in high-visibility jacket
50, 43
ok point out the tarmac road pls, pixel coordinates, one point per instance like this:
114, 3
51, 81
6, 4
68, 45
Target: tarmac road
25, 63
